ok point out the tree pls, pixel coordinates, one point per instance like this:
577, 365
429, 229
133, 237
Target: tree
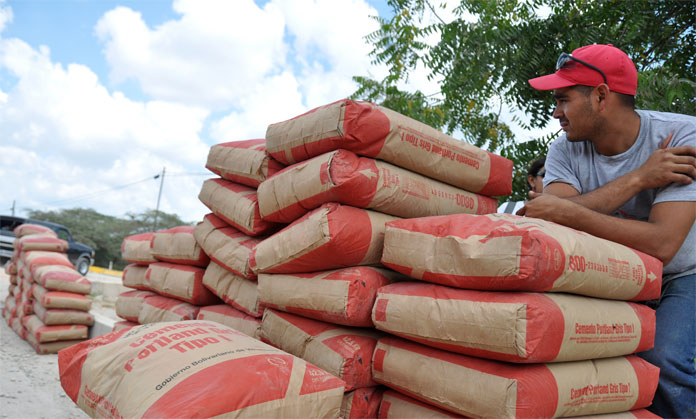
483, 64
105, 233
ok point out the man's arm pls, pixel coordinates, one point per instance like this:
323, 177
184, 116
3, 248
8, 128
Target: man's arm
661, 236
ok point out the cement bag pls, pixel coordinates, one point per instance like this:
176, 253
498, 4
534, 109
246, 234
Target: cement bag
529, 327
164, 309
44, 333
180, 281
129, 304
342, 351
136, 249
362, 403
244, 162
234, 290
55, 316
35, 258
362, 182
10, 306
399, 406
123, 325
61, 278
193, 369
10, 268
25, 307
226, 246
177, 245
331, 236
16, 325
61, 299
46, 348
375, 131
27, 229
478, 387
341, 296
633, 414
231, 317
236, 204
507, 252
44, 242
134, 276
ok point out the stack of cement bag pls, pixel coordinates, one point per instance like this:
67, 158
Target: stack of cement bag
166, 272
354, 166
48, 304
514, 317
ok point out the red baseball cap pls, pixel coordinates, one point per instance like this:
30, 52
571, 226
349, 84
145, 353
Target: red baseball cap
620, 71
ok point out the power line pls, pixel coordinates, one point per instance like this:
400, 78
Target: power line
93, 194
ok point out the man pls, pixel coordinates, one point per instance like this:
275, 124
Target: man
628, 175
535, 182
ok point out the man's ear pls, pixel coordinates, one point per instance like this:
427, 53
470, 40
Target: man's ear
601, 94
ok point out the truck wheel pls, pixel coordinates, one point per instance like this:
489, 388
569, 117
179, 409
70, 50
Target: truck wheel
82, 265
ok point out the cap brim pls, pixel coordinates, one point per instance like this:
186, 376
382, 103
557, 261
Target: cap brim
550, 82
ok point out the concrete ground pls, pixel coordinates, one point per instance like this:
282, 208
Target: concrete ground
29, 383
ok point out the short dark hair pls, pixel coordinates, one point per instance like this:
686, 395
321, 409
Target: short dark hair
626, 100
536, 165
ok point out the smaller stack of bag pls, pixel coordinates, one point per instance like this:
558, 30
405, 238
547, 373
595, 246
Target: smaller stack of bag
52, 305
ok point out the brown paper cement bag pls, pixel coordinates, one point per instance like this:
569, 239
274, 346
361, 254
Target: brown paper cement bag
45, 348
478, 387
193, 369
136, 249
177, 245
182, 282
331, 236
341, 176
61, 299
44, 333
123, 325
362, 403
244, 162
226, 246
164, 309
61, 278
130, 303
514, 326
234, 290
35, 258
375, 131
342, 351
399, 406
134, 276
61, 316
506, 252
236, 204
44, 242
231, 317
342, 296
27, 229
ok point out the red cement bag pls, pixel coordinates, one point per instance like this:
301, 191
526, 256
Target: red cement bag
123, 325
180, 281
61, 278
234, 290
44, 333
177, 245
44, 242
28, 229
342, 351
399, 406
193, 369
362, 182
231, 317
164, 309
507, 252
362, 403
59, 316
514, 326
341, 296
130, 303
633, 414
478, 387
136, 249
236, 204
51, 347
35, 258
226, 246
134, 276
16, 325
244, 162
331, 236
375, 131
61, 299
11, 268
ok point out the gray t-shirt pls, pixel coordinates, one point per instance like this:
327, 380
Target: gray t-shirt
579, 165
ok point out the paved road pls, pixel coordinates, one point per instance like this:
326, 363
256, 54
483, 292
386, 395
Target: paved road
29, 383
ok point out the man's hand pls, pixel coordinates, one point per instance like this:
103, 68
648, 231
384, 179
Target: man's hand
548, 207
668, 165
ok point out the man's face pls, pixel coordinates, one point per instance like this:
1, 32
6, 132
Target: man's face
575, 113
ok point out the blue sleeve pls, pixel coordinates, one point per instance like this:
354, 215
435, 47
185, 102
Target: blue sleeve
559, 167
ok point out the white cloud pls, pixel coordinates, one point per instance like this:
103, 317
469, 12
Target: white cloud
5, 15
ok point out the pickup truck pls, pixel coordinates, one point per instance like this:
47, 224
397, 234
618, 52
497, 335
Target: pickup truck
81, 255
